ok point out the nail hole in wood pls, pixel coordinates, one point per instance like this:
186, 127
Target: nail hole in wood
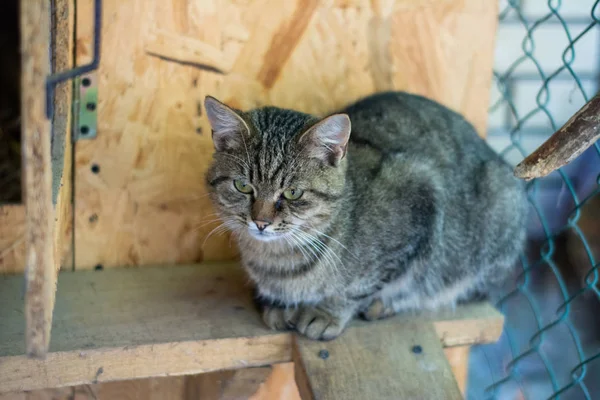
324, 354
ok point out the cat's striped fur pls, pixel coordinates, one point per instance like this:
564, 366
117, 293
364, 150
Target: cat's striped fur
415, 211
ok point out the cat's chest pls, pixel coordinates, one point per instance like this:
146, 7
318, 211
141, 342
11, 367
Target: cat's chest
289, 278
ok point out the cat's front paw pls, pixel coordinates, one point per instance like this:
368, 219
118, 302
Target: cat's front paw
318, 324
279, 318
377, 310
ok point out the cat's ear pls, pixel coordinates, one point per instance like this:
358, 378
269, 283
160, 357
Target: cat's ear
228, 128
327, 140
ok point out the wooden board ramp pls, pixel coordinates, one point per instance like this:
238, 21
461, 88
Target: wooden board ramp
132, 323
393, 360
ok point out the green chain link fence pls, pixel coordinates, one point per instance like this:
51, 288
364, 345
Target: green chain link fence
550, 348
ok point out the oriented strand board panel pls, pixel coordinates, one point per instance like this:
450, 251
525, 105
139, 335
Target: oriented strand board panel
130, 323
12, 239
146, 203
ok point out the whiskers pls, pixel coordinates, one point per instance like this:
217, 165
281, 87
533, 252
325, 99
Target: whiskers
229, 224
335, 240
314, 249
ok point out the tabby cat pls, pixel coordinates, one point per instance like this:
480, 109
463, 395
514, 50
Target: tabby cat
406, 209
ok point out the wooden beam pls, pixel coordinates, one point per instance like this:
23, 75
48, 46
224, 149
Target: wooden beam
40, 267
395, 360
580, 132
80, 367
131, 323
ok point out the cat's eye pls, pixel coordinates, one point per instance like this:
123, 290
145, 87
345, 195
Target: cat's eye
242, 186
292, 194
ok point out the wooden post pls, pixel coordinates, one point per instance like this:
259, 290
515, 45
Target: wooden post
566, 144
40, 268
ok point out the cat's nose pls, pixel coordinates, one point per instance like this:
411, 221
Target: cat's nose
261, 225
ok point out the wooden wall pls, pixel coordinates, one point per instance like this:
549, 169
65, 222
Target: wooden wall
147, 203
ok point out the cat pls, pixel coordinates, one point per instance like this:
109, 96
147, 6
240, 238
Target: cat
392, 204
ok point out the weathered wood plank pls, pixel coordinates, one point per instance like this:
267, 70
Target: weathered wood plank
134, 323
77, 367
396, 360
40, 267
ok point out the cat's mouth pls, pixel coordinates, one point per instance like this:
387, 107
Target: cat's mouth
265, 236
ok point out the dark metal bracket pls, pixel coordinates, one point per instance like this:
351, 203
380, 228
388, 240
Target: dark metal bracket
60, 77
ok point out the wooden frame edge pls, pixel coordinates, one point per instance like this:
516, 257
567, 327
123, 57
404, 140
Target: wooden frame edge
40, 273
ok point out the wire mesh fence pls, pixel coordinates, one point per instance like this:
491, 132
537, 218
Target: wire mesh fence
551, 344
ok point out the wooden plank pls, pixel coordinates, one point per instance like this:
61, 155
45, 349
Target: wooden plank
82, 366
12, 239
283, 382
395, 360
62, 149
135, 323
40, 267
147, 204
262, 383
468, 324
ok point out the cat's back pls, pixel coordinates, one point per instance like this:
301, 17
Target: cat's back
400, 122
415, 163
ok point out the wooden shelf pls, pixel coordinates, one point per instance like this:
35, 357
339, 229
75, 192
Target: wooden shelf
131, 323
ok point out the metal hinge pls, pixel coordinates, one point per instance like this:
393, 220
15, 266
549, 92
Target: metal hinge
86, 95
